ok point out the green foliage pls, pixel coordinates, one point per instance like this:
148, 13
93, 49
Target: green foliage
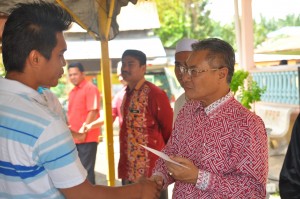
245, 88
191, 18
62, 88
2, 73
238, 80
183, 18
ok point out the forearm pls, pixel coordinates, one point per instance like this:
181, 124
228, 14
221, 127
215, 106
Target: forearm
141, 190
97, 123
91, 116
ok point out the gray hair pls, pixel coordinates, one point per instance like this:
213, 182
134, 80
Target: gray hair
220, 49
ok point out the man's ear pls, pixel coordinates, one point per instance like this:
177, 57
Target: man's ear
34, 57
223, 72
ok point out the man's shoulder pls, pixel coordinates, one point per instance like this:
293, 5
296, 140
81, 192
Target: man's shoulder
154, 88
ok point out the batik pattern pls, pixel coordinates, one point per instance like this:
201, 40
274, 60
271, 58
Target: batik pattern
228, 144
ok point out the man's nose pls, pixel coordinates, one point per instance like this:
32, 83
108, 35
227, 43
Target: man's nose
185, 76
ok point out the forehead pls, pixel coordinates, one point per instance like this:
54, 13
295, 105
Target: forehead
74, 70
182, 56
129, 58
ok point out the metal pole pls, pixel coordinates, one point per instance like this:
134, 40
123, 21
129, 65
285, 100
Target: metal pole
104, 24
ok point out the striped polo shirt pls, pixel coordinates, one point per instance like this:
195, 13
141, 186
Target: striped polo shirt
37, 152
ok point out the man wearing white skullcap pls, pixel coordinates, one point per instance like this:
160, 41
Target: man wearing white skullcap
183, 50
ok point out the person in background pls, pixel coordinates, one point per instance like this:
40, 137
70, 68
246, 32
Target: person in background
182, 52
289, 179
38, 158
147, 120
222, 145
116, 104
283, 62
83, 108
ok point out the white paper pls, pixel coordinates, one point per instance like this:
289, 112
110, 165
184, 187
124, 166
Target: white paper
163, 156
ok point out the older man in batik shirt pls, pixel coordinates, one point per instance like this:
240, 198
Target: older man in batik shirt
223, 144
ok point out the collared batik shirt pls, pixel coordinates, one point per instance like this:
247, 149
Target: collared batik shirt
227, 142
147, 120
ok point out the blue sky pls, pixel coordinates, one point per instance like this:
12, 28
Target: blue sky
223, 10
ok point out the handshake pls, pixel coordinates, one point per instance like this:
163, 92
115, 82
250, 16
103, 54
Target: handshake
150, 187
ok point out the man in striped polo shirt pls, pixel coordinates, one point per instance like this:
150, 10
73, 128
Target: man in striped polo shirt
38, 158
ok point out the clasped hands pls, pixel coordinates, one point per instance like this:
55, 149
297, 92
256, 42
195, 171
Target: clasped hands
179, 173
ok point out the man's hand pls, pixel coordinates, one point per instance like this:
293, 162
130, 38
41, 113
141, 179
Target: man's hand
150, 189
158, 179
80, 137
188, 175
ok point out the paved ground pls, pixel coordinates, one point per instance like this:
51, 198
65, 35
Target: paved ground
275, 163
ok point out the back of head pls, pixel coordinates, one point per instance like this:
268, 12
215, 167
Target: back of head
31, 26
76, 65
139, 55
218, 48
185, 45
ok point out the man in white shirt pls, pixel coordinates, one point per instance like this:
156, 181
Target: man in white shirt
183, 51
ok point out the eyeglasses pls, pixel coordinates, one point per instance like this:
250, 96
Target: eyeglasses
193, 72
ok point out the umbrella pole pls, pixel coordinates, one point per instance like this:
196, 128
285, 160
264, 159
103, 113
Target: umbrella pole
104, 26
108, 127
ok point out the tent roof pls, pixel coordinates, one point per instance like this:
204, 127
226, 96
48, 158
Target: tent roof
86, 11
283, 41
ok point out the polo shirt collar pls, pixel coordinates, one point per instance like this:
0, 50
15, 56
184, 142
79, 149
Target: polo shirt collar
17, 88
81, 84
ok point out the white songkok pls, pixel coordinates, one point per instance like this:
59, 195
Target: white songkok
185, 45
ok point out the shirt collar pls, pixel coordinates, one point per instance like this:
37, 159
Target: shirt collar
17, 88
81, 84
138, 85
218, 103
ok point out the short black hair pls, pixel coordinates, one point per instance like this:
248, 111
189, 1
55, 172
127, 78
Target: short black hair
32, 26
136, 54
76, 65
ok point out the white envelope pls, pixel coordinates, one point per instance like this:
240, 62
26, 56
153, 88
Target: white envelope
163, 156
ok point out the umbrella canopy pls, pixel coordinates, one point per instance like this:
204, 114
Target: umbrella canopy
85, 13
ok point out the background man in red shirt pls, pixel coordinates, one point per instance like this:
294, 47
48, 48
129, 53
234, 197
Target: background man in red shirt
83, 108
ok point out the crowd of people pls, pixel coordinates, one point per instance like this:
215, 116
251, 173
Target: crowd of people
220, 147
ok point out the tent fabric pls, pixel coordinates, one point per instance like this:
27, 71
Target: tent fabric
86, 11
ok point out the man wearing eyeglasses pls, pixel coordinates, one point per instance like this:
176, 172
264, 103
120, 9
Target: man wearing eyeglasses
182, 52
222, 145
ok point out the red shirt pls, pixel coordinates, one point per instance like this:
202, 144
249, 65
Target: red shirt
147, 120
83, 98
228, 143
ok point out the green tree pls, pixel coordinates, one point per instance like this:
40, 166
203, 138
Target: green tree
189, 18
183, 18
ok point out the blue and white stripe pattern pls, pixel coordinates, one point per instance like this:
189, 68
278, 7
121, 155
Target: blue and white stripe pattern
37, 153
